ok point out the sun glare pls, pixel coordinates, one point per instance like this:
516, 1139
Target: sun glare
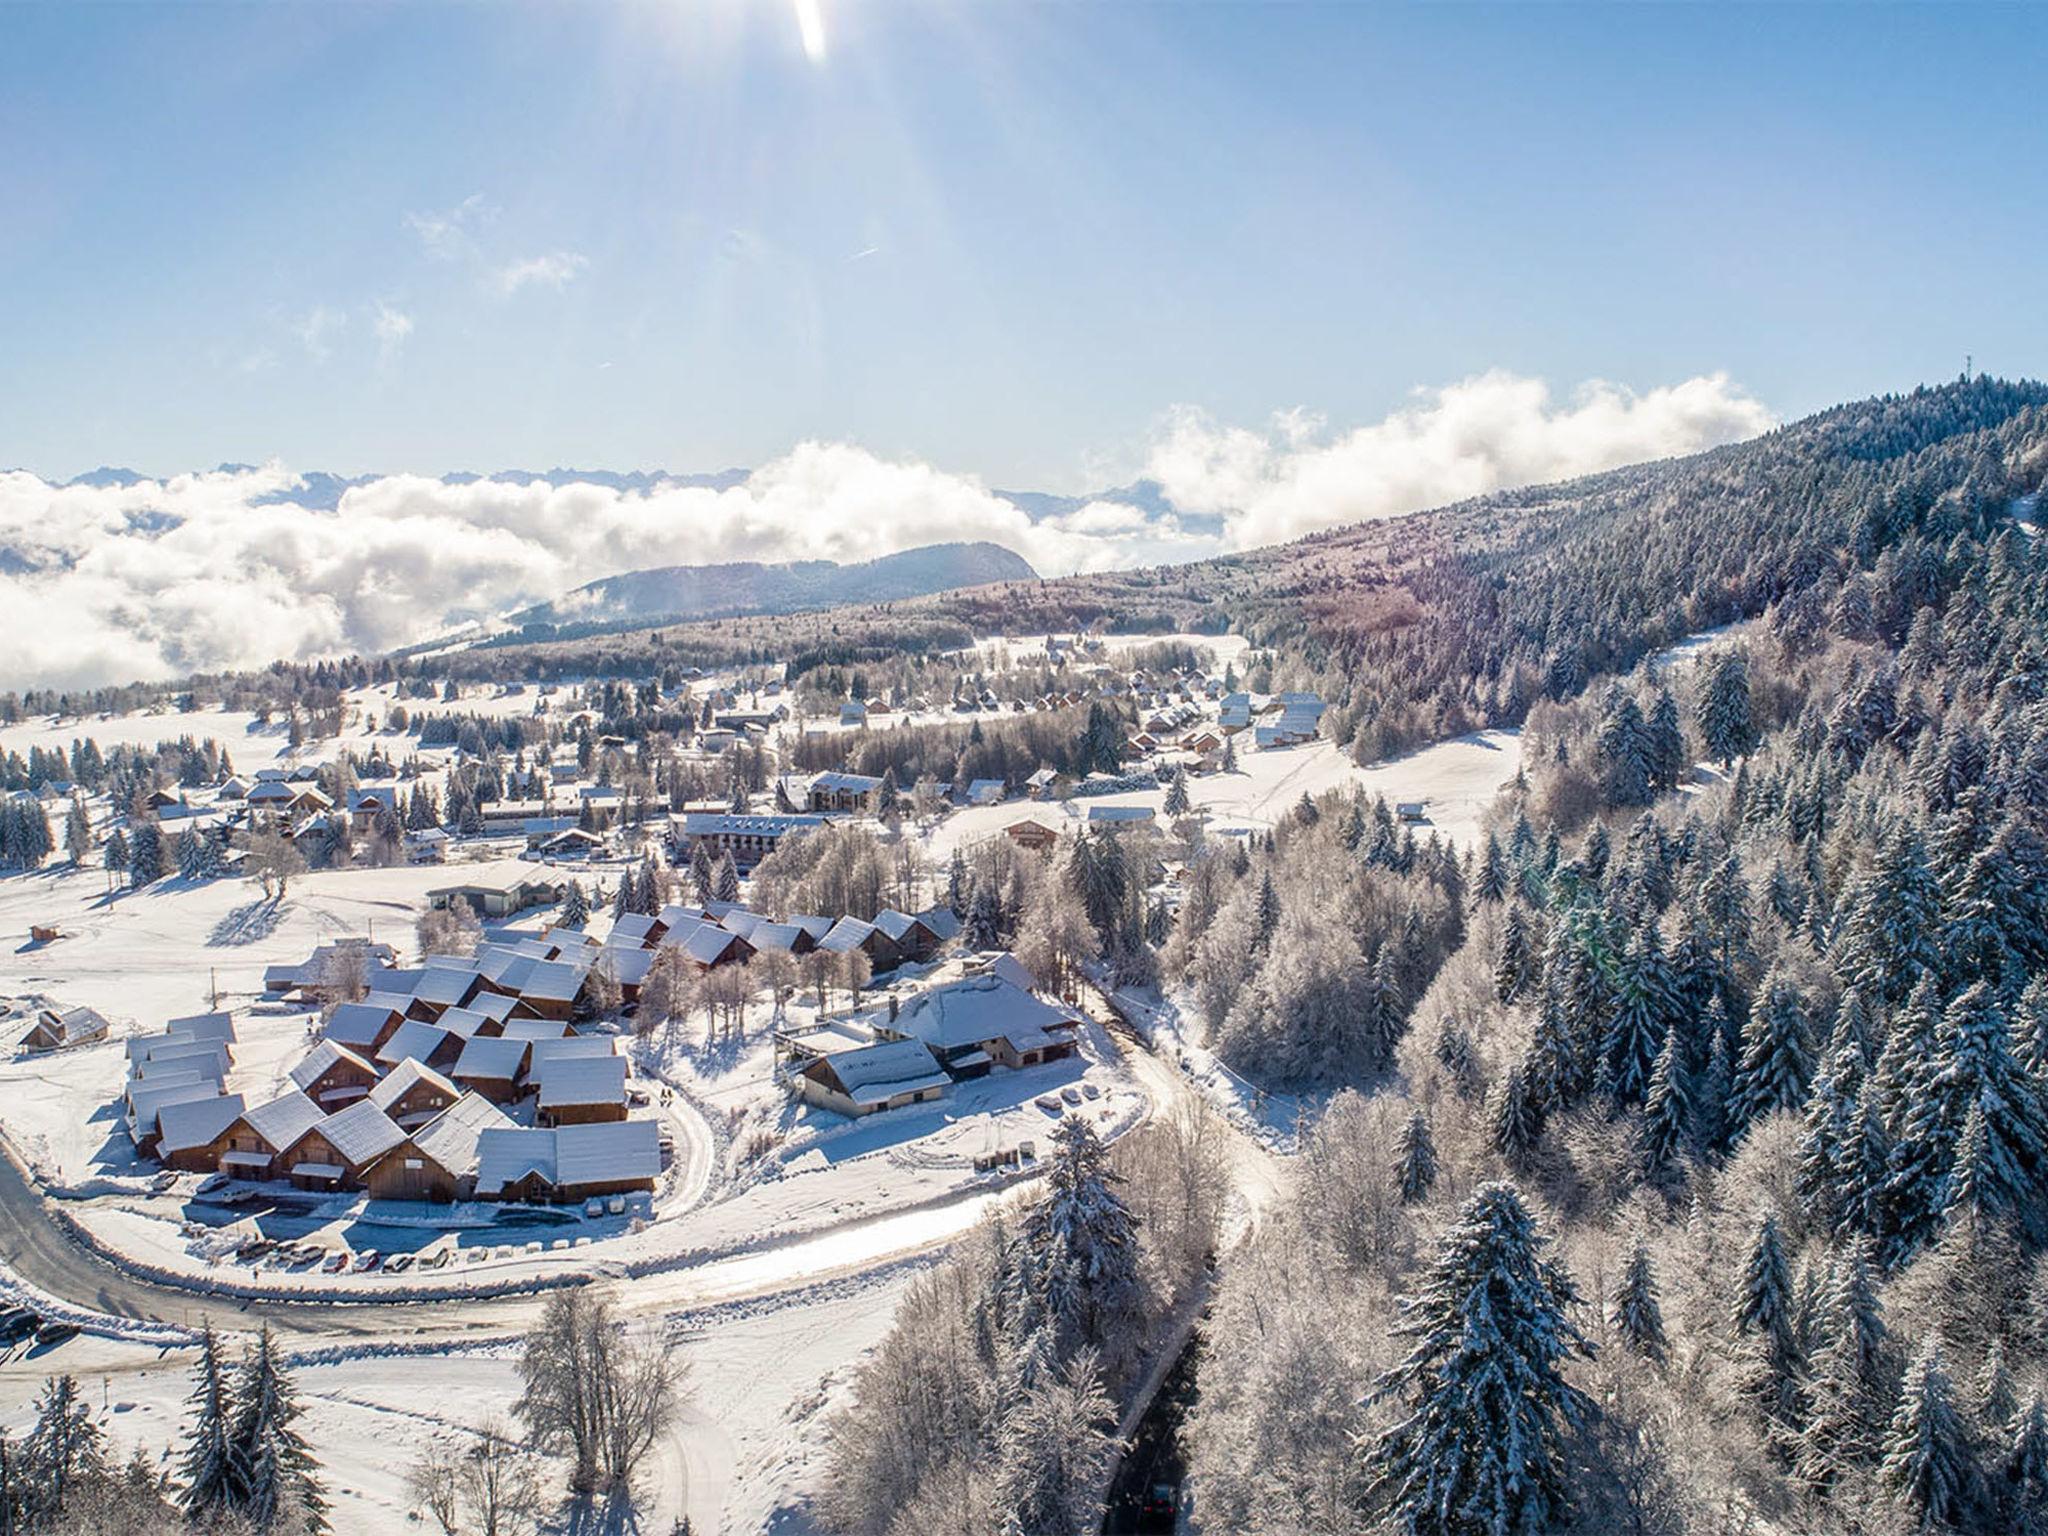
810, 24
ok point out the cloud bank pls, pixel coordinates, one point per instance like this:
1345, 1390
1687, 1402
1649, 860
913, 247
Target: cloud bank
234, 568
1483, 434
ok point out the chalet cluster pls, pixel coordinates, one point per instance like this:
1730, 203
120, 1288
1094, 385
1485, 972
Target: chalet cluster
721, 933
456, 1079
953, 1032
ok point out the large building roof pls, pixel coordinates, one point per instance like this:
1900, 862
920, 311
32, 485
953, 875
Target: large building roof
874, 1074
977, 1009
451, 1137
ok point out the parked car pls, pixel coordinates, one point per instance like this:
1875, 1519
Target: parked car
368, 1260
52, 1334
337, 1261
399, 1263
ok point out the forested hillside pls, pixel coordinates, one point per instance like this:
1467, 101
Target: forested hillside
1678, 1162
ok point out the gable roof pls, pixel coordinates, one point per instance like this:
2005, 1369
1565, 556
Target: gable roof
491, 1058
607, 1154
362, 1133
357, 1025
570, 1080
874, 1074
506, 1154
975, 1009
403, 1078
203, 1026
534, 1029
451, 1137
283, 1120
413, 1038
323, 1056
195, 1122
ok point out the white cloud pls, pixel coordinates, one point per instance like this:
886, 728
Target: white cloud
316, 330
113, 594
206, 571
392, 327
556, 270
1486, 433
451, 233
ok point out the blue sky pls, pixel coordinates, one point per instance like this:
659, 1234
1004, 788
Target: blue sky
1002, 239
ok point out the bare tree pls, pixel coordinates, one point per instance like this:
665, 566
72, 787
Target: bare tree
498, 1480
430, 1482
596, 1392
272, 860
450, 930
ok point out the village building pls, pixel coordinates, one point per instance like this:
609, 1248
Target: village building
849, 792
501, 897
581, 1090
864, 1079
574, 1162
749, 839
438, 1160
333, 1076
254, 1145
979, 1020
491, 1067
363, 1027
413, 1094
417, 1041
53, 1030
1035, 835
333, 1153
191, 1136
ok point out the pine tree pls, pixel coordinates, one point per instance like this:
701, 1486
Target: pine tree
575, 906
1624, 749
1763, 1305
1725, 722
1266, 915
2023, 1469
1635, 1034
276, 1474
1777, 1054
211, 1477
1635, 1313
1416, 1172
1178, 802
1514, 963
1667, 1114
1082, 1243
1490, 884
959, 886
1480, 1445
1664, 743
726, 879
1517, 1119
63, 1454
1849, 1387
145, 854
78, 831
1927, 1467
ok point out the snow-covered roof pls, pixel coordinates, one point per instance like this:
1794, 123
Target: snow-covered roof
709, 943
506, 1154
451, 1137
841, 782
977, 1009
446, 986
195, 1122
628, 967
357, 1025
412, 1039
147, 1103
323, 1056
463, 1022
1115, 813
848, 933
568, 1080
362, 1133
724, 824
283, 1120
896, 925
782, 936
569, 1048
404, 1077
553, 981
607, 1154
632, 928
489, 1058
534, 1029
203, 1026
874, 1074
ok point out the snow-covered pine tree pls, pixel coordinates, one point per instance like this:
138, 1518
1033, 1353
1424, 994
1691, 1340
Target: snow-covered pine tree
1480, 1445
1057, 1445
1850, 1386
1776, 1069
2023, 1469
726, 879
1635, 1033
1266, 915
1724, 718
1416, 1169
1664, 743
211, 1478
1635, 1314
702, 881
1081, 1244
1514, 961
1623, 747
1928, 1468
1667, 1114
277, 1476
1178, 802
1490, 881
575, 906
1516, 1118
